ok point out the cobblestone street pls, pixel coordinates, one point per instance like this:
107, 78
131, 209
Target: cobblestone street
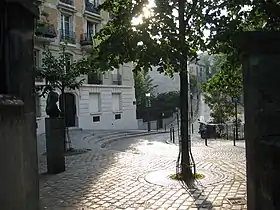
133, 174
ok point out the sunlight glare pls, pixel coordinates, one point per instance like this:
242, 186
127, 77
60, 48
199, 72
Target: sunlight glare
146, 13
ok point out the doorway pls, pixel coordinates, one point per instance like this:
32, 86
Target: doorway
70, 109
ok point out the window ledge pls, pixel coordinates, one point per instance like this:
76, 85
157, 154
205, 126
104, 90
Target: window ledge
68, 44
95, 113
118, 112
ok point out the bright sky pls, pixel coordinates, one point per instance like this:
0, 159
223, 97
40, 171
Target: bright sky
147, 12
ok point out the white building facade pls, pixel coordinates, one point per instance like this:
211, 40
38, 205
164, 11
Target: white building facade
105, 101
165, 83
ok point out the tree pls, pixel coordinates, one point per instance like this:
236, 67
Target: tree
143, 84
157, 40
165, 103
60, 73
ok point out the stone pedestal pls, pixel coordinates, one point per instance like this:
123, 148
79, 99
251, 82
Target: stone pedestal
261, 63
13, 192
55, 136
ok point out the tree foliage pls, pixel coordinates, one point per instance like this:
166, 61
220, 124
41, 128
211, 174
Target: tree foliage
60, 72
165, 103
154, 42
143, 84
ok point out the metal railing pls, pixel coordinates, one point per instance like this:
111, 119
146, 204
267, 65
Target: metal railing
93, 8
228, 131
67, 36
95, 78
86, 39
69, 2
116, 79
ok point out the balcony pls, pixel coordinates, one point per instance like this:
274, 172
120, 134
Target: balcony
68, 2
95, 78
116, 79
67, 5
45, 32
86, 41
67, 36
92, 8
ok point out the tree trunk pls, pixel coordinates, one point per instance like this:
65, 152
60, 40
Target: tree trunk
185, 160
64, 117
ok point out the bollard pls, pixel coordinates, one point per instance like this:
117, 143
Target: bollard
205, 141
192, 128
173, 133
165, 127
170, 131
234, 137
227, 130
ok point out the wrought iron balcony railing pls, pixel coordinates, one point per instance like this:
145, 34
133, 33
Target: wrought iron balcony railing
86, 39
116, 79
90, 7
95, 78
45, 30
67, 36
69, 2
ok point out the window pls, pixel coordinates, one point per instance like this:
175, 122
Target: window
117, 116
96, 119
38, 105
68, 61
94, 2
66, 23
95, 78
36, 60
92, 28
94, 103
116, 101
66, 29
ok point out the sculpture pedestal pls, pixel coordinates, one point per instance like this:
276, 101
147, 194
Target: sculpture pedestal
55, 137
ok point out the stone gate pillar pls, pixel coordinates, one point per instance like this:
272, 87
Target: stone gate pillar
260, 53
19, 187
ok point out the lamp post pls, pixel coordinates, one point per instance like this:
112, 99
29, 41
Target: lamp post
148, 105
235, 100
191, 96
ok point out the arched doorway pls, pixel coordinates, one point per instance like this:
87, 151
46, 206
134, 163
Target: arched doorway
70, 109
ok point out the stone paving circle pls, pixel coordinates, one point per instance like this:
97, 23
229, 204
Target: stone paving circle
162, 178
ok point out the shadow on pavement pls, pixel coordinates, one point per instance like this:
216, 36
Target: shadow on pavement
200, 198
92, 180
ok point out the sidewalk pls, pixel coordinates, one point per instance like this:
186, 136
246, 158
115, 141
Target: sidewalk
135, 178
87, 140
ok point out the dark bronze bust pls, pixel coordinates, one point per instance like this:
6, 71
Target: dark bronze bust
51, 108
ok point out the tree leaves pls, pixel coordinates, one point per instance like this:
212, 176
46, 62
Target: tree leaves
154, 42
60, 72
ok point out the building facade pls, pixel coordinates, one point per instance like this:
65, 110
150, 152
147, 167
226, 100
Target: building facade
104, 101
167, 84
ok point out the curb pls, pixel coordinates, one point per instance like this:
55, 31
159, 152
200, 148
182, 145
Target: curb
168, 142
103, 145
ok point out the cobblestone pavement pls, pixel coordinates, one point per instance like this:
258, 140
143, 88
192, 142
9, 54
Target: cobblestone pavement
120, 176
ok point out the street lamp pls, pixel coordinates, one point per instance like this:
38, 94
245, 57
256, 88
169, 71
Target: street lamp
191, 96
235, 100
148, 105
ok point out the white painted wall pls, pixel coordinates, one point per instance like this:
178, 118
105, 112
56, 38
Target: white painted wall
86, 112
165, 83
108, 108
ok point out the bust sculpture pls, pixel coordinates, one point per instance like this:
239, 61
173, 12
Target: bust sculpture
51, 108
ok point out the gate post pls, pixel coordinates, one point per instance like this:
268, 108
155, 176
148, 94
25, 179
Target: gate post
260, 55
